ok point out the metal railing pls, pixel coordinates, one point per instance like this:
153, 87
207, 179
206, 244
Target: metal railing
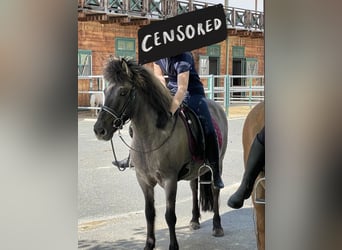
94, 85
245, 19
236, 18
220, 88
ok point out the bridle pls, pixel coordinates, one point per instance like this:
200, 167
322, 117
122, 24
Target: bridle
119, 119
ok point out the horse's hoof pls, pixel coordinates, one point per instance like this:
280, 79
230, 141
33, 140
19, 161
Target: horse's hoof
218, 232
150, 244
194, 225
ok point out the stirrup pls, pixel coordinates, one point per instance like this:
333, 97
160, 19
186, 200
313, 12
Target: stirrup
259, 200
212, 175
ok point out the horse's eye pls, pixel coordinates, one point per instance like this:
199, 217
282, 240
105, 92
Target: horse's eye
123, 92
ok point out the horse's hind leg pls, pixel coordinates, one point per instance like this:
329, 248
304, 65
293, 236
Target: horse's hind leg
170, 214
217, 228
194, 223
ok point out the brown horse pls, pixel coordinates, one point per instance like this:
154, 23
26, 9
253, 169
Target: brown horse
254, 122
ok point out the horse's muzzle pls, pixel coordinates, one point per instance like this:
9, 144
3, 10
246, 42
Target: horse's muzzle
100, 132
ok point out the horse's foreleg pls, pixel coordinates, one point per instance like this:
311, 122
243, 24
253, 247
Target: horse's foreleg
217, 228
194, 223
149, 215
170, 214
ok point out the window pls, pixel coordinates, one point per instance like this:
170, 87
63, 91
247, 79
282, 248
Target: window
84, 62
238, 52
251, 66
125, 47
204, 65
214, 51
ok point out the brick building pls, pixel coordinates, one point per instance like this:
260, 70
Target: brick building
110, 27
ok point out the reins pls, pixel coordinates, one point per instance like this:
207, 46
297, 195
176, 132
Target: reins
140, 151
115, 159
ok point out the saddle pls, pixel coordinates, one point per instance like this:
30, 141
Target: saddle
195, 133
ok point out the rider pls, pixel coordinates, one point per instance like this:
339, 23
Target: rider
185, 85
255, 164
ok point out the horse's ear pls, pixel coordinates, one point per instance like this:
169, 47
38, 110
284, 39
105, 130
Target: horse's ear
125, 66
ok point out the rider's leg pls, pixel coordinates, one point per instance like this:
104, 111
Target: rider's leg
212, 154
255, 164
198, 104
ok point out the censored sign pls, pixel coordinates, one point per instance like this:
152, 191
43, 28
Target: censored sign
182, 33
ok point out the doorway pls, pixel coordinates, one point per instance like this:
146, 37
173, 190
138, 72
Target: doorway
239, 68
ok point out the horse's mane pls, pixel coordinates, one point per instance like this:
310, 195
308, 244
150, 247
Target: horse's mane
157, 96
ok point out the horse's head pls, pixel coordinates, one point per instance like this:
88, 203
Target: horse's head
131, 87
119, 96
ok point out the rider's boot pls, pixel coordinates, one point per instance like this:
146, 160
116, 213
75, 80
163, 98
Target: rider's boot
212, 155
255, 164
123, 164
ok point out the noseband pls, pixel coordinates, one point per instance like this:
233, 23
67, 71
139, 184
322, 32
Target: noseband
120, 118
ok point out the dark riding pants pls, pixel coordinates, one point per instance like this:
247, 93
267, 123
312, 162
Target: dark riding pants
198, 104
196, 101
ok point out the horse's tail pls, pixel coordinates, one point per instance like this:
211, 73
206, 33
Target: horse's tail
206, 194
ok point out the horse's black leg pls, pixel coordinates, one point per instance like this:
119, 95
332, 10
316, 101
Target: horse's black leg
149, 214
170, 214
194, 223
217, 228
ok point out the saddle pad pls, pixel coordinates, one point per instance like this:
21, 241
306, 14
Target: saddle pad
218, 132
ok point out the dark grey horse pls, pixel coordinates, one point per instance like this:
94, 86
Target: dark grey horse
160, 148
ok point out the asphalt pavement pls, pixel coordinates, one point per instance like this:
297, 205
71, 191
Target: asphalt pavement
111, 204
